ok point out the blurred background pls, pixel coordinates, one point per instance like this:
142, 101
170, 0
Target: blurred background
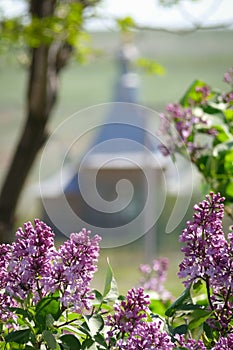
185, 55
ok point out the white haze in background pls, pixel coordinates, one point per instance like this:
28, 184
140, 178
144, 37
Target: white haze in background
148, 12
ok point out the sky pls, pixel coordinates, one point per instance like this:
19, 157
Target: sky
148, 12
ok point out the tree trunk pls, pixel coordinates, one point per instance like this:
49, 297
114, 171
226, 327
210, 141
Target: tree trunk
41, 97
46, 63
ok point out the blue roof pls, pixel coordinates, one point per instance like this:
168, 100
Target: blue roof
123, 130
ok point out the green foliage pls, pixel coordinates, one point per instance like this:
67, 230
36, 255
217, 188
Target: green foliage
209, 144
47, 310
150, 66
125, 24
110, 289
63, 27
48, 324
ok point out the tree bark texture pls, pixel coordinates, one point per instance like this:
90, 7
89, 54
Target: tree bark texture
46, 63
41, 97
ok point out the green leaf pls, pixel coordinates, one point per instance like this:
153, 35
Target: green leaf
89, 344
110, 289
48, 305
19, 337
50, 340
224, 134
71, 341
191, 94
208, 330
228, 161
212, 108
197, 285
100, 339
75, 330
125, 23
222, 148
98, 297
190, 307
85, 329
181, 329
183, 299
150, 66
106, 307
229, 115
49, 321
229, 189
198, 318
157, 307
95, 323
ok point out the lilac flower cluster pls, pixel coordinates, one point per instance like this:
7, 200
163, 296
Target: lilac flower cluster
154, 276
204, 92
30, 260
227, 97
147, 336
205, 244
31, 267
129, 312
129, 326
73, 268
180, 125
190, 344
224, 343
228, 76
184, 119
209, 256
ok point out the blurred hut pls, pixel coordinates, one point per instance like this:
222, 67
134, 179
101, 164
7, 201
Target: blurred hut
118, 176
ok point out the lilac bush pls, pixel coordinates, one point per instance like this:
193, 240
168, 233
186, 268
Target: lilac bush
38, 280
200, 128
33, 267
208, 262
47, 301
128, 314
206, 248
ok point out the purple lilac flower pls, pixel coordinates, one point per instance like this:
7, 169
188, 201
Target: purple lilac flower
147, 336
209, 256
154, 277
228, 76
190, 344
30, 260
5, 257
205, 92
7, 316
31, 268
206, 249
5, 300
180, 126
184, 120
73, 268
128, 313
227, 97
224, 343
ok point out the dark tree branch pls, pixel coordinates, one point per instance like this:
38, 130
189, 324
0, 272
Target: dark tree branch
194, 28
